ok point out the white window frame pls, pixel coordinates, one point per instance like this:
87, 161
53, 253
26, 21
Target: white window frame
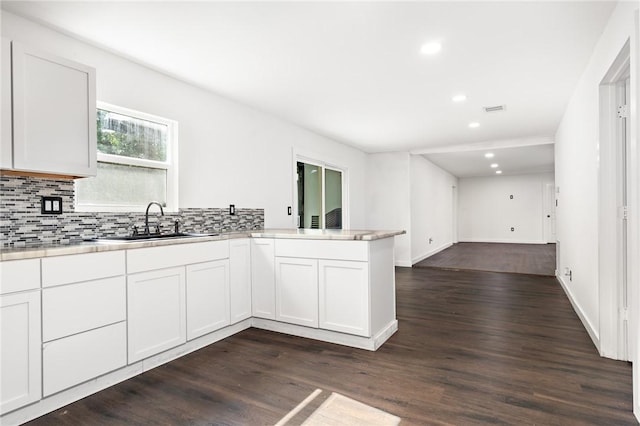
170, 165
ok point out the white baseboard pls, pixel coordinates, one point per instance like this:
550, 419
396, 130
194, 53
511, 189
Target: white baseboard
368, 343
499, 240
430, 253
403, 263
591, 330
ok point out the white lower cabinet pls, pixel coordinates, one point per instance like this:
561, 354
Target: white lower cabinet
344, 296
263, 284
240, 279
156, 317
297, 291
75, 359
207, 297
20, 357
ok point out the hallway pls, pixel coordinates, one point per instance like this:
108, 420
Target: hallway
533, 259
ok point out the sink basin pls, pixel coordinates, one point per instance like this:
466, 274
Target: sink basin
149, 237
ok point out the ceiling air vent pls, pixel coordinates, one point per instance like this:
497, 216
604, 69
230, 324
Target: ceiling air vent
495, 108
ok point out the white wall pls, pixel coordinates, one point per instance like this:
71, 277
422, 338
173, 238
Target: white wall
486, 211
409, 192
229, 153
577, 172
388, 195
432, 214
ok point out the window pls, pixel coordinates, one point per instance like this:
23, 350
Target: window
320, 196
137, 163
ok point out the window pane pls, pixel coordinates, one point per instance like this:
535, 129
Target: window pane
333, 199
310, 196
122, 185
120, 134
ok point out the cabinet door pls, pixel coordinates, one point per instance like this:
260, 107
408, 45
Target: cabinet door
6, 160
344, 296
297, 291
54, 114
263, 278
20, 359
240, 277
156, 312
207, 297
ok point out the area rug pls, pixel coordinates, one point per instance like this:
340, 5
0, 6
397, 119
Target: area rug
338, 410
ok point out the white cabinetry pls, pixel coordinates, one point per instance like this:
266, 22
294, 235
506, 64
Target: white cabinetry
175, 292
84, 318
344, 296
342, 286
20, 381
156, 312
6, 160
263, 285
297, 291
20, 350
53, 114
240, 279
207, 297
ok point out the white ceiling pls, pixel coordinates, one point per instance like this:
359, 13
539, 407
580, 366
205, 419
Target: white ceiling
353, 71
510, 161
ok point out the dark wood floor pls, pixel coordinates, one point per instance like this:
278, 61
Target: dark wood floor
536, 259
472, 348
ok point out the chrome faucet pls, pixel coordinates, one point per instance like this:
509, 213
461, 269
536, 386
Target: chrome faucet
146, 217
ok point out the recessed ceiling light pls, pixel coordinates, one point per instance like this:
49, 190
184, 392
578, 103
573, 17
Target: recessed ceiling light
430, 48
459, 98
494, 165
498, 172
489, 155
474, 124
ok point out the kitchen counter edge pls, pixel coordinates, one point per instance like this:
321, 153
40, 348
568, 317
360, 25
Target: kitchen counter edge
7, 254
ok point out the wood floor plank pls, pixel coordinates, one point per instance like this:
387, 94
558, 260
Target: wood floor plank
472, 348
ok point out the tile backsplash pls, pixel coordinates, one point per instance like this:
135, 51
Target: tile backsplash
22, 224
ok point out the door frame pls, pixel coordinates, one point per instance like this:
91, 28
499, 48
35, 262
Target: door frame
614, 239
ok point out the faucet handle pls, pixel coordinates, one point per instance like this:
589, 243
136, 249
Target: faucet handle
176, 226
134, 230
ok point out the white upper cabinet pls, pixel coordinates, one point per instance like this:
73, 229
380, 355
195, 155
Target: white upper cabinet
53, 114
6, 161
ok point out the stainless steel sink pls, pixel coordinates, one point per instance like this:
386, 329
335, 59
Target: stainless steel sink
150, 237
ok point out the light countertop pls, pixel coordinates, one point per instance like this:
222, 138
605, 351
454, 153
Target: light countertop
92, 246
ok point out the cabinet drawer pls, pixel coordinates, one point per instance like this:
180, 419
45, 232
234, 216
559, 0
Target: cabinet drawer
81, 267
80, 307
76, 359
19, 275
147, 259
322, 249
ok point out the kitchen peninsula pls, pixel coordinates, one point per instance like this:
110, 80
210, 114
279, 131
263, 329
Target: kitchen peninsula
95, 314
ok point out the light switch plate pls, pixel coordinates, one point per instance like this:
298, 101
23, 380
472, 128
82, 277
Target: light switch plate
51, 205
